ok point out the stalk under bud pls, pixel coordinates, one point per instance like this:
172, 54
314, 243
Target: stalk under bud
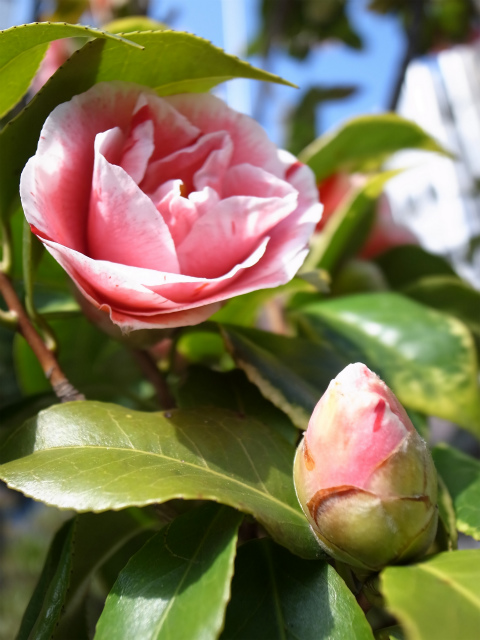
364, 477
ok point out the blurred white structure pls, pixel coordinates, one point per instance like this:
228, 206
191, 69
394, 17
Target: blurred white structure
439, 199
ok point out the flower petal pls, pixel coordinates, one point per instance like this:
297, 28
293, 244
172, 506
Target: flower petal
123, 224
250, 142
140, 144
226, 235
197, 166
55, 184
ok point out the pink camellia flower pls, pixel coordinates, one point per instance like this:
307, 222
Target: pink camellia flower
364, 477
159, 208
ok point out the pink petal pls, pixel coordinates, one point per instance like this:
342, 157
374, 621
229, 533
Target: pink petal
172, 130
123, 224
140, 145
250, 142
143, 292
178, 212
226, 235
183, 318
55, 184
199, 165
247, 180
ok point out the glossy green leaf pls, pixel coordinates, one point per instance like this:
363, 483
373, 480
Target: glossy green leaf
347, 230
22, 49
426, 357
188, 64
202, 387
451, 295
277, 595
292, 373
178, 585
90, 456
461, 474
47, 601
364, 143
406, 264
438, 598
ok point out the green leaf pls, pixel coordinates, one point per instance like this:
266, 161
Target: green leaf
202, 387
22, 49
451, 295
437, 598
291, 372
188, 64
178, 585
46, 603
347, 230
426, 357
90, 456
277, 595
461, 474
364, 143
447, 536
406, 264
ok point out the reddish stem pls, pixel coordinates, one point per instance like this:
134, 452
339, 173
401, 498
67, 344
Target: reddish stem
64, 391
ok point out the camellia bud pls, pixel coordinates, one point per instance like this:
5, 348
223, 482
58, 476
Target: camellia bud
364, 477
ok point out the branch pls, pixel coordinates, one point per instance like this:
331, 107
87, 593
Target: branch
64, 391
149, 368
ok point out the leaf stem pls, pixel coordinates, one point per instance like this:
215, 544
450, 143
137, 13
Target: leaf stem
60, 384
149, 368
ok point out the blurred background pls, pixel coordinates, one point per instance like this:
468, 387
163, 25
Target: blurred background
420, 58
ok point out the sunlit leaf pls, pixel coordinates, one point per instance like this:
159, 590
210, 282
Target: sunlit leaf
22, 49
364, 143
178, 584
90, 456
437, 598
426, 357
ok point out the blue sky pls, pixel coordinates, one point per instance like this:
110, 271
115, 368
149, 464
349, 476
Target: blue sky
373, 69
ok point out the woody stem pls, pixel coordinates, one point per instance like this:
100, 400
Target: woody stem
60, 384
